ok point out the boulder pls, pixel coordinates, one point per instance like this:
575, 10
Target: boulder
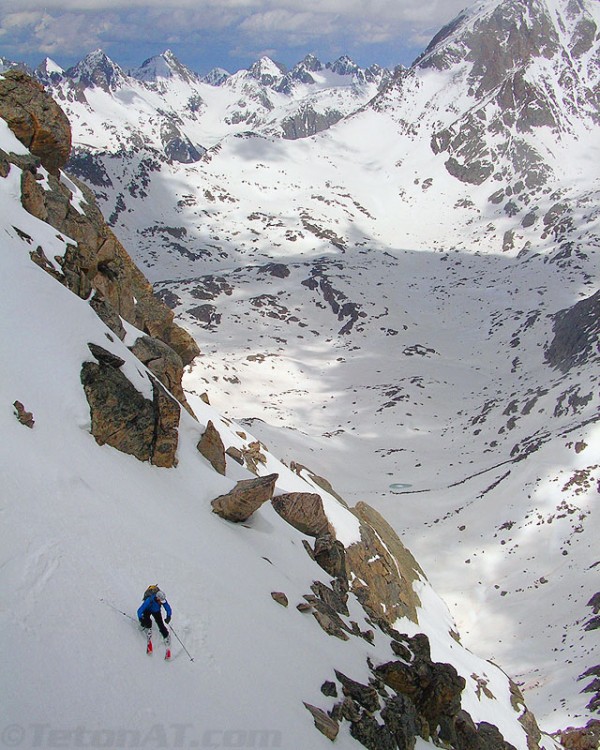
280, 598
211, 447
323, 722
23, 416
245, 498
304, 511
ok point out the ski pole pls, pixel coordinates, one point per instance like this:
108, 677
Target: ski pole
180, 641
117, 610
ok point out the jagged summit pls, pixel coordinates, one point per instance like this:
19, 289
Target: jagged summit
97, 70
343, 66
502, 37
163, 66
216, 76
49, 72
267, 71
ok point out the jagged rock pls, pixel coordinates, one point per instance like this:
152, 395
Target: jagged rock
32, 195
365, 695
280, 598
253, 456
323, 722
434, 688
400, 717
108, 315
371, 734
122, 418
105, 357
35, 119
584, 738
482, 736
331, 597
24, 417
211, 447
329, 688
164, 362
330, 620
245, 498
304, 511
384, 570
330, 554
166, 423
236, 454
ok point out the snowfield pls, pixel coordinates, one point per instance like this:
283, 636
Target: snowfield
85, 528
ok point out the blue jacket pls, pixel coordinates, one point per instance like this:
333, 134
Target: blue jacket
152, 605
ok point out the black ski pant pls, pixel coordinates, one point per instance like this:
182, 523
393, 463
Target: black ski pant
146, 623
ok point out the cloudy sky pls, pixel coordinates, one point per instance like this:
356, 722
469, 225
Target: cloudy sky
226, 33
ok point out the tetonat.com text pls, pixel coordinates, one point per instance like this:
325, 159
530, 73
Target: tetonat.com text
164, 736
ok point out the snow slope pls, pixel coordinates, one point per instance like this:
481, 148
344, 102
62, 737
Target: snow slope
86, 528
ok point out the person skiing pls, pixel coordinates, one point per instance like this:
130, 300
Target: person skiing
154, 600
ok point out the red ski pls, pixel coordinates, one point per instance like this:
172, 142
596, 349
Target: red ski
168, 654
149, 647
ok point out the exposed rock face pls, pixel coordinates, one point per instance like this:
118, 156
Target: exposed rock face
164, 362
36, 120
304, 511
121, 416
435, 689
586, 738
386, 567
245, 498
211, 447
576, 335
307, 122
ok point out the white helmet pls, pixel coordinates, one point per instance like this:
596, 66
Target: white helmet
160, 596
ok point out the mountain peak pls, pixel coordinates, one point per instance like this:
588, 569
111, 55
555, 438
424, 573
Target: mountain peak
343, 66
163, 66
97, 70
216, 76
267, 71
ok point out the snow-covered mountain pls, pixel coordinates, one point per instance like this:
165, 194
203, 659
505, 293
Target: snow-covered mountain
405, 302
369, 655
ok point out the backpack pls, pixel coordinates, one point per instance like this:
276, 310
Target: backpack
151, 591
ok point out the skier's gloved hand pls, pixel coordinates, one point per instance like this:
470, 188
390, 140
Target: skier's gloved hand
168, 619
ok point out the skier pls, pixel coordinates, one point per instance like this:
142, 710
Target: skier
154, 600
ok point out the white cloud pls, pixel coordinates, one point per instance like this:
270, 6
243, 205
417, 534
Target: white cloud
73, 27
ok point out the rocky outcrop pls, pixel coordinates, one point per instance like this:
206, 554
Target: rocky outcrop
123, 418
245, 498
36, 120
211, 447
164, 362
584, 738
576, 335
382, 569
97, 262
98, 268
